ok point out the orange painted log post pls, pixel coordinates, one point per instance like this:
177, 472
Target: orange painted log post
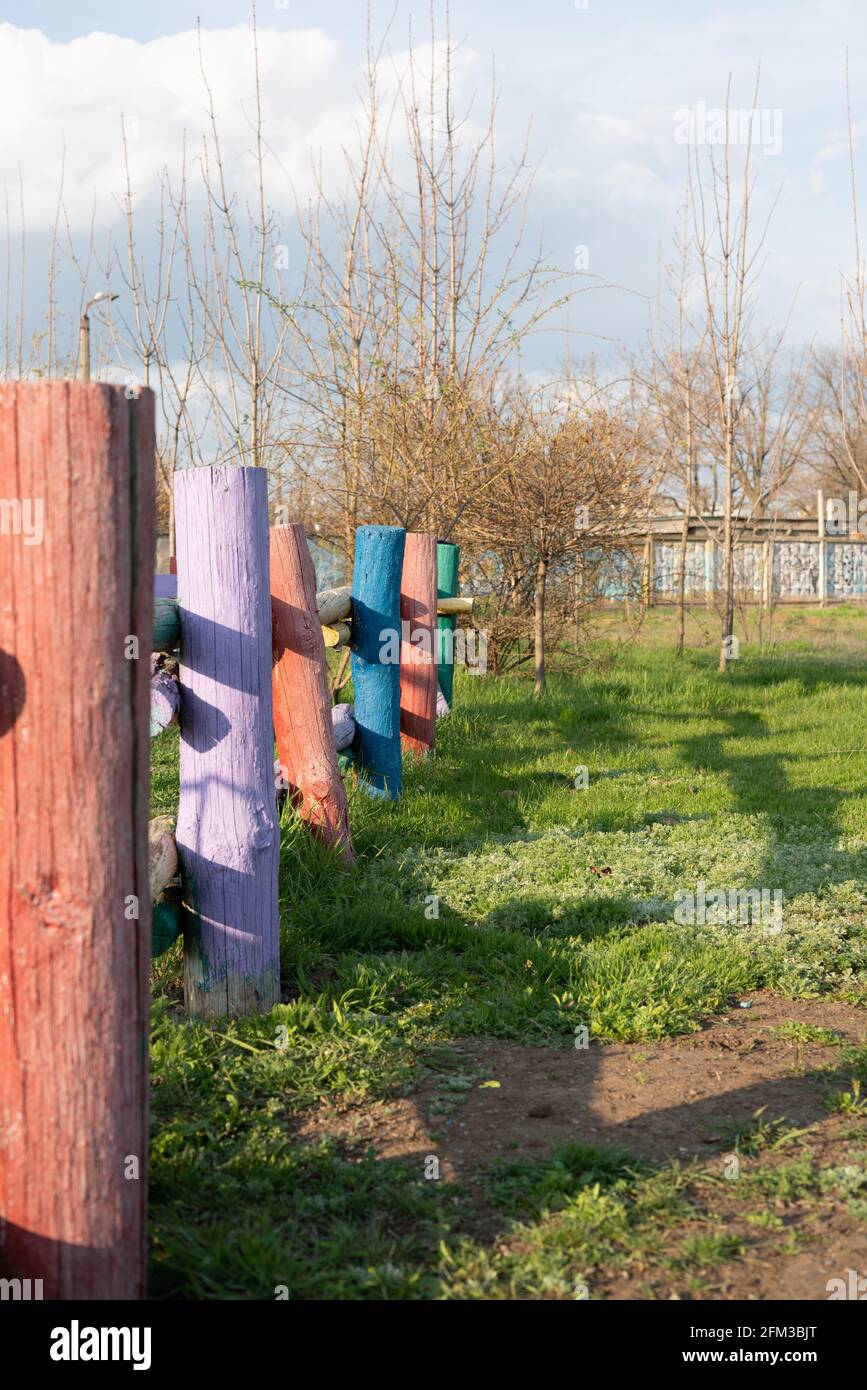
302, 706
76, 610
418, 663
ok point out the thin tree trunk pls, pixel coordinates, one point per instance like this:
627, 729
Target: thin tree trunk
539, 625
684, 535
728, 575
681, 584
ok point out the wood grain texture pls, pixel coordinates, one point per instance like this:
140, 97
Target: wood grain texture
337, 635
376, 580
302, 707
448, 561
74, 788
418, 664
227, 833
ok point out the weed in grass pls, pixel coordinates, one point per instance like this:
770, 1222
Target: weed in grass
765, 1220
797, 1032
849, 1102
759, 1134
523, 1186
705, 1250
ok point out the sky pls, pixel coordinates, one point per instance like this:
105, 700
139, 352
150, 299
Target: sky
601, 86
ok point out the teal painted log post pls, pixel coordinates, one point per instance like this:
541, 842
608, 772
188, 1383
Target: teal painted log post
167, 628
376, 656
227, 834
448, 560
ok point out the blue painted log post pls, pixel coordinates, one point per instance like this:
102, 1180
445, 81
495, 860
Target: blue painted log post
448, 560
376, 656
227, 832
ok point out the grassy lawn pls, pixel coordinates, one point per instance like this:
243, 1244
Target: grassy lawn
499, 903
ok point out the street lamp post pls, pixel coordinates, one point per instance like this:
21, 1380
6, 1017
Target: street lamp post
84, 333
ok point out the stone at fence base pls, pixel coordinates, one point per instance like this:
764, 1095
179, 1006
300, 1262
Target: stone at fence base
343, 723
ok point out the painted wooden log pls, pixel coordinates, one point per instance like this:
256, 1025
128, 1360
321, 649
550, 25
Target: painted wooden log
443, 710
167, 922
337, 635
343, 724
165, 700
165, 586
227, 832
334, 605
376, 656
167, 625
452, 607
75, 921
418, 664
302, 706
448, 560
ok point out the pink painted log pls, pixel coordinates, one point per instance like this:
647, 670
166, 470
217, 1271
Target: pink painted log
302, 707
418, 667
76, 586
227, 833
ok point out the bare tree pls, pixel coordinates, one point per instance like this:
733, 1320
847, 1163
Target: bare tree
727, 255
570, 485
421, 297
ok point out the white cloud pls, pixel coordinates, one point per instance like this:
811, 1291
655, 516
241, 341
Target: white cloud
601, 88
73, 95
636, 185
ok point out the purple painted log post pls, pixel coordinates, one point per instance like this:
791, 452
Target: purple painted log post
227, 834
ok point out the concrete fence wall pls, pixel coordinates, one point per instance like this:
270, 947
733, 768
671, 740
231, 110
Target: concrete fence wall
793, 570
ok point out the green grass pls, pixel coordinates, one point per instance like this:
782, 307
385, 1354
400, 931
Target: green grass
474, 911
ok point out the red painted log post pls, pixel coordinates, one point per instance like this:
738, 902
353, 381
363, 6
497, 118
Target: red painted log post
302, 706
227, 834
418, 662
76, 608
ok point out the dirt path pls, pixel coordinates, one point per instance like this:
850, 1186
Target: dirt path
680, 1099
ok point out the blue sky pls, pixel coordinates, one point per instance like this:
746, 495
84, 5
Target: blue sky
600, 85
